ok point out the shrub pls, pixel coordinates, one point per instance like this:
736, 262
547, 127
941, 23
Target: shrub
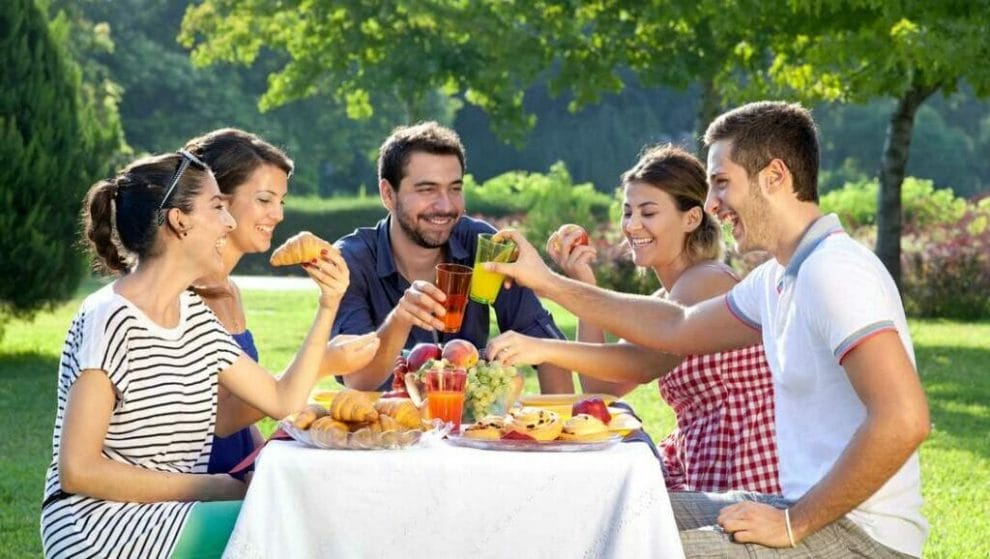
947, 266
51, 154
540, 203
923, 204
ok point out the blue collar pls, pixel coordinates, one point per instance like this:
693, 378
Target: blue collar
818, 231
455, 249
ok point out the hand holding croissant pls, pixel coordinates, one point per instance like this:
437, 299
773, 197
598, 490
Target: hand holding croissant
321, 260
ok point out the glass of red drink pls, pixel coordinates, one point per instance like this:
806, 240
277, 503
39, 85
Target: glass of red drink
445, 395
455, 281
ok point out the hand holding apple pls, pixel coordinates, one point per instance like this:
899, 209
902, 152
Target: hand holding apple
569, 248
568, 235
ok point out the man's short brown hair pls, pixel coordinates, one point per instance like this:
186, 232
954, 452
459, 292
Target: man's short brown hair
767, 130
428, 137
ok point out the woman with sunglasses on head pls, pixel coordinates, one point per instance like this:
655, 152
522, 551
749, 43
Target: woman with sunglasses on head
254, 176
140, 368
725, 436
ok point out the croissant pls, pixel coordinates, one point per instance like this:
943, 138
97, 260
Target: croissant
387, 423
353, 407
301, 247
402, 410
328, 423
305, 418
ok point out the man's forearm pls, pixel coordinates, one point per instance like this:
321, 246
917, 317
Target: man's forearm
655, 320
877, 451
393, 335
554, 379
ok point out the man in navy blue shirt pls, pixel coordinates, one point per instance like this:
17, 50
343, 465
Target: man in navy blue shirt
392, 265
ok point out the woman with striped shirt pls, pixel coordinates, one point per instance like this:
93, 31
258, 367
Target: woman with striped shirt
140, 370
725, 437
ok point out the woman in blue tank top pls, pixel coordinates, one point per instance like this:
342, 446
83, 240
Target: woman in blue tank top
254, 175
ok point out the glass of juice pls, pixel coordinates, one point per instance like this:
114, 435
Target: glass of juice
455, 281
485, 285
445, 395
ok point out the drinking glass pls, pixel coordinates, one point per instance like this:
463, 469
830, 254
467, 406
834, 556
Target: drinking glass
455, 281
485, 285
445, 395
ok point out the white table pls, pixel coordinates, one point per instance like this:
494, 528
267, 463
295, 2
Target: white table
443, 501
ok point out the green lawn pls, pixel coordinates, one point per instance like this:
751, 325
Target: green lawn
954, 359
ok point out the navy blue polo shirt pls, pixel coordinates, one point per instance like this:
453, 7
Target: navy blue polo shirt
376, 287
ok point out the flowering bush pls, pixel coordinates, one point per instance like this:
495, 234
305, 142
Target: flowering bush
947, 266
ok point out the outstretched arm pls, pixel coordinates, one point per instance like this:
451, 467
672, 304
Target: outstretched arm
704, 328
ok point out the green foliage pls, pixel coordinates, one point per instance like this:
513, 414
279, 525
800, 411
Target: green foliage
51, 151
924, 206
548, 200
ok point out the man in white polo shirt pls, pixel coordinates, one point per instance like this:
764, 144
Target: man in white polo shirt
850, 410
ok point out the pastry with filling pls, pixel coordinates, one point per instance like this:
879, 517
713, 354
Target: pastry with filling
541, 424
584, 428
488, 428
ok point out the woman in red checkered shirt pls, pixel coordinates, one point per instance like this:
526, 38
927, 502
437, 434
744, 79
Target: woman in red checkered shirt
724, 438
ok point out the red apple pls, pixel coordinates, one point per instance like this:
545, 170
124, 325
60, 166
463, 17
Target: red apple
570, 229
460, 353
594, 407
420, 354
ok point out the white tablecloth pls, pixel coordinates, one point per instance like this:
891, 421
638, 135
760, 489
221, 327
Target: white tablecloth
443, 501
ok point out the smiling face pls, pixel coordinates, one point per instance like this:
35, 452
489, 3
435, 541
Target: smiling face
653, 225
209, 224
737, 201
257, 206
429, 200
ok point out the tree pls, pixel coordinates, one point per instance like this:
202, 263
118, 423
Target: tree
904, 50
46, 150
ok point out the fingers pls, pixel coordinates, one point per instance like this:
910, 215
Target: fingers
420, 306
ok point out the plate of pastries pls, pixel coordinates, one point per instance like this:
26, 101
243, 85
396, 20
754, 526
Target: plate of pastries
531, 428
352, 419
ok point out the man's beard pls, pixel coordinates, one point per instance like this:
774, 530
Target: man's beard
408, 226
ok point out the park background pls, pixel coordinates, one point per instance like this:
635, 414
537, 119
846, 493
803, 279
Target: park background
553, 100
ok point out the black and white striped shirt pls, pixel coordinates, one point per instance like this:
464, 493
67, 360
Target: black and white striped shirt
165, 385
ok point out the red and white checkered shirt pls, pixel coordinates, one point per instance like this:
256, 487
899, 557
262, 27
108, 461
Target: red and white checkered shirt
725, 438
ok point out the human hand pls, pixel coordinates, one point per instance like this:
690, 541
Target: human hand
572, 257
421, 305
751, 522
512, 348
528, 269
347, 353
331, 274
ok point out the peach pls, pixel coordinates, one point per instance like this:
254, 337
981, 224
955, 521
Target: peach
460, 353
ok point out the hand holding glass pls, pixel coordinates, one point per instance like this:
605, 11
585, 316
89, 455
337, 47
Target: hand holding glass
485, 285
455, 282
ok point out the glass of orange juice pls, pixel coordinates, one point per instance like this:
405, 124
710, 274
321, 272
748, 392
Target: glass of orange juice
455, 281
485, 285
445, 395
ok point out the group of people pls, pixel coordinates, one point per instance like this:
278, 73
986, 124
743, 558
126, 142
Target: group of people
799, 409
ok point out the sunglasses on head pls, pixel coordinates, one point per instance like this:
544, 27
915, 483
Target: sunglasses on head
185, 160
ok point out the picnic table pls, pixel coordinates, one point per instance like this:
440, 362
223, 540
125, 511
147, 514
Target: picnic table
441, 500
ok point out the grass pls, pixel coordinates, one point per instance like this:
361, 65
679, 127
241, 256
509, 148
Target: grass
953, 357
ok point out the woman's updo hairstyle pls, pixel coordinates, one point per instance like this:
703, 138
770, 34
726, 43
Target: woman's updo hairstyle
121, 215
680, 174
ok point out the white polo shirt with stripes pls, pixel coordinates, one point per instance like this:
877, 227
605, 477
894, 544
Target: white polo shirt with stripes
834, 294
165, 385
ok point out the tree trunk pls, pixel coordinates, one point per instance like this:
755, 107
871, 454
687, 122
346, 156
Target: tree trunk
895, 157
708, 110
